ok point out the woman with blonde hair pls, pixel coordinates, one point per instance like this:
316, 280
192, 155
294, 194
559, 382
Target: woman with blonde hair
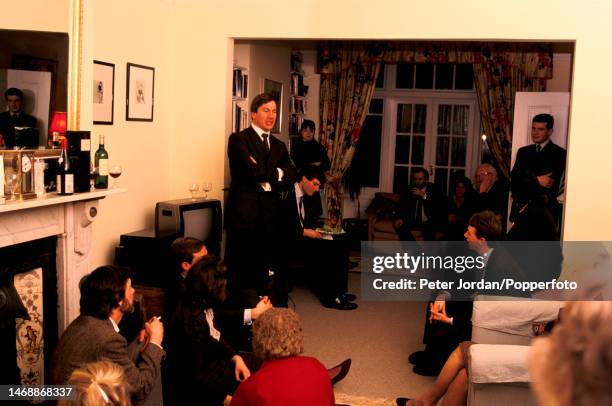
98, 383
573, 365
285, 377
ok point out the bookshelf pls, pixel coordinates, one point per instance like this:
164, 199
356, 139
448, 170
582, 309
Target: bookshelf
240, 81
297, 97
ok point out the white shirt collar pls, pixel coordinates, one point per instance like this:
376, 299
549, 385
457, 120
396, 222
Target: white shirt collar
115, 326
543, 144
259, 131
298, 191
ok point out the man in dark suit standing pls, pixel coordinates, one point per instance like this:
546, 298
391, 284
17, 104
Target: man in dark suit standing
260, 168
419, 209
14, 117
106, 295
537, 173
326, 261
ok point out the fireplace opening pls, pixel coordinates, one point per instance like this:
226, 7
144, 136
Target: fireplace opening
28, 311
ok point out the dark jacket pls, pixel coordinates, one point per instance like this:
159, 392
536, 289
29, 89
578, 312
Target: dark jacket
199, 366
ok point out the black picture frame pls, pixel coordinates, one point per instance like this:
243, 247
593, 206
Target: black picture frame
103, 93
139, 93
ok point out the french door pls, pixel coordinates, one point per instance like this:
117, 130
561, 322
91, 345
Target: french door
435, 133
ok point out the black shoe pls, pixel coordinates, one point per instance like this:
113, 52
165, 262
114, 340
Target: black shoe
339, 372
425, 370
353, 264
340, 305
417, 357
402, 401
348, 297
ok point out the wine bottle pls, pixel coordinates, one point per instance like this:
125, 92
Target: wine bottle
65, 177
101, 162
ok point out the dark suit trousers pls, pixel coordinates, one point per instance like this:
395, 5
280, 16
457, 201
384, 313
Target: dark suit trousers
327, 264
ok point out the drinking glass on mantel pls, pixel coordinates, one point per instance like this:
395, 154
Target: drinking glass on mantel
193, 188
115, 171
206, 187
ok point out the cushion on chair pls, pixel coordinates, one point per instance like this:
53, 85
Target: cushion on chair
498, 363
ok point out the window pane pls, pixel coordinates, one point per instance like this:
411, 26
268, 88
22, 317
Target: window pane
404, 118
418, 150
464, 77
441, 179
404, 76
380, 79
400, 179
424, 76
455, 173
368, 151
420, 117
376, 106
402, 149
444, 118
460, 120
458, 151
444, 76
442, 147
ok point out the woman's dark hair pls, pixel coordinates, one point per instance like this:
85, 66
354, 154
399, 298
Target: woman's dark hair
469, 189
308, 124
103, 290
205, 282
183, 250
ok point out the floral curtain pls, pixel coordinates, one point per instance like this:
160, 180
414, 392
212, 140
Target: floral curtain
344, 101
497, 82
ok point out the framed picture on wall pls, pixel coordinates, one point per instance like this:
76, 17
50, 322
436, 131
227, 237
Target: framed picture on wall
140, 95
275, 89
103, 92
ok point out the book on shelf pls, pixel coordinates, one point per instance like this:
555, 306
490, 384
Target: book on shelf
297, 84
238, 82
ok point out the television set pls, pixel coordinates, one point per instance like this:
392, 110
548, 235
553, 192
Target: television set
197, 218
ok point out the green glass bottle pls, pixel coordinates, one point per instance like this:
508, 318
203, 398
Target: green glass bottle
101, 163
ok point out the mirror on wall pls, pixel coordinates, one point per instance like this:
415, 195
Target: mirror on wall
36, 63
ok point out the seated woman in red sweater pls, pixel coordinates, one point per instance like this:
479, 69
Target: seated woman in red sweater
285, 378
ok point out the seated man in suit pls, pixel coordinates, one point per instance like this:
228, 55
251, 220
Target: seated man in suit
449, 321
420, 210
14, 117
326, 261
106, 295
492, 192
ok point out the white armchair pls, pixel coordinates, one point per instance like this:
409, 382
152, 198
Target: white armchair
502, 330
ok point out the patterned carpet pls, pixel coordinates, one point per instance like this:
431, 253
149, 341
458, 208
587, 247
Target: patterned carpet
351, 400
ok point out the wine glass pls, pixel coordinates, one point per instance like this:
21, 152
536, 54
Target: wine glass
115, 172
193, 187
11, 181
206, 187
93, 172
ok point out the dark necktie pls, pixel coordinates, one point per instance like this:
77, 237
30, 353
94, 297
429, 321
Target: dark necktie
301, 210
538, 148
418, 218
265, 140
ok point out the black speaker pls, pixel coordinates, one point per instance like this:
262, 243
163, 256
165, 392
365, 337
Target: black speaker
79, 151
